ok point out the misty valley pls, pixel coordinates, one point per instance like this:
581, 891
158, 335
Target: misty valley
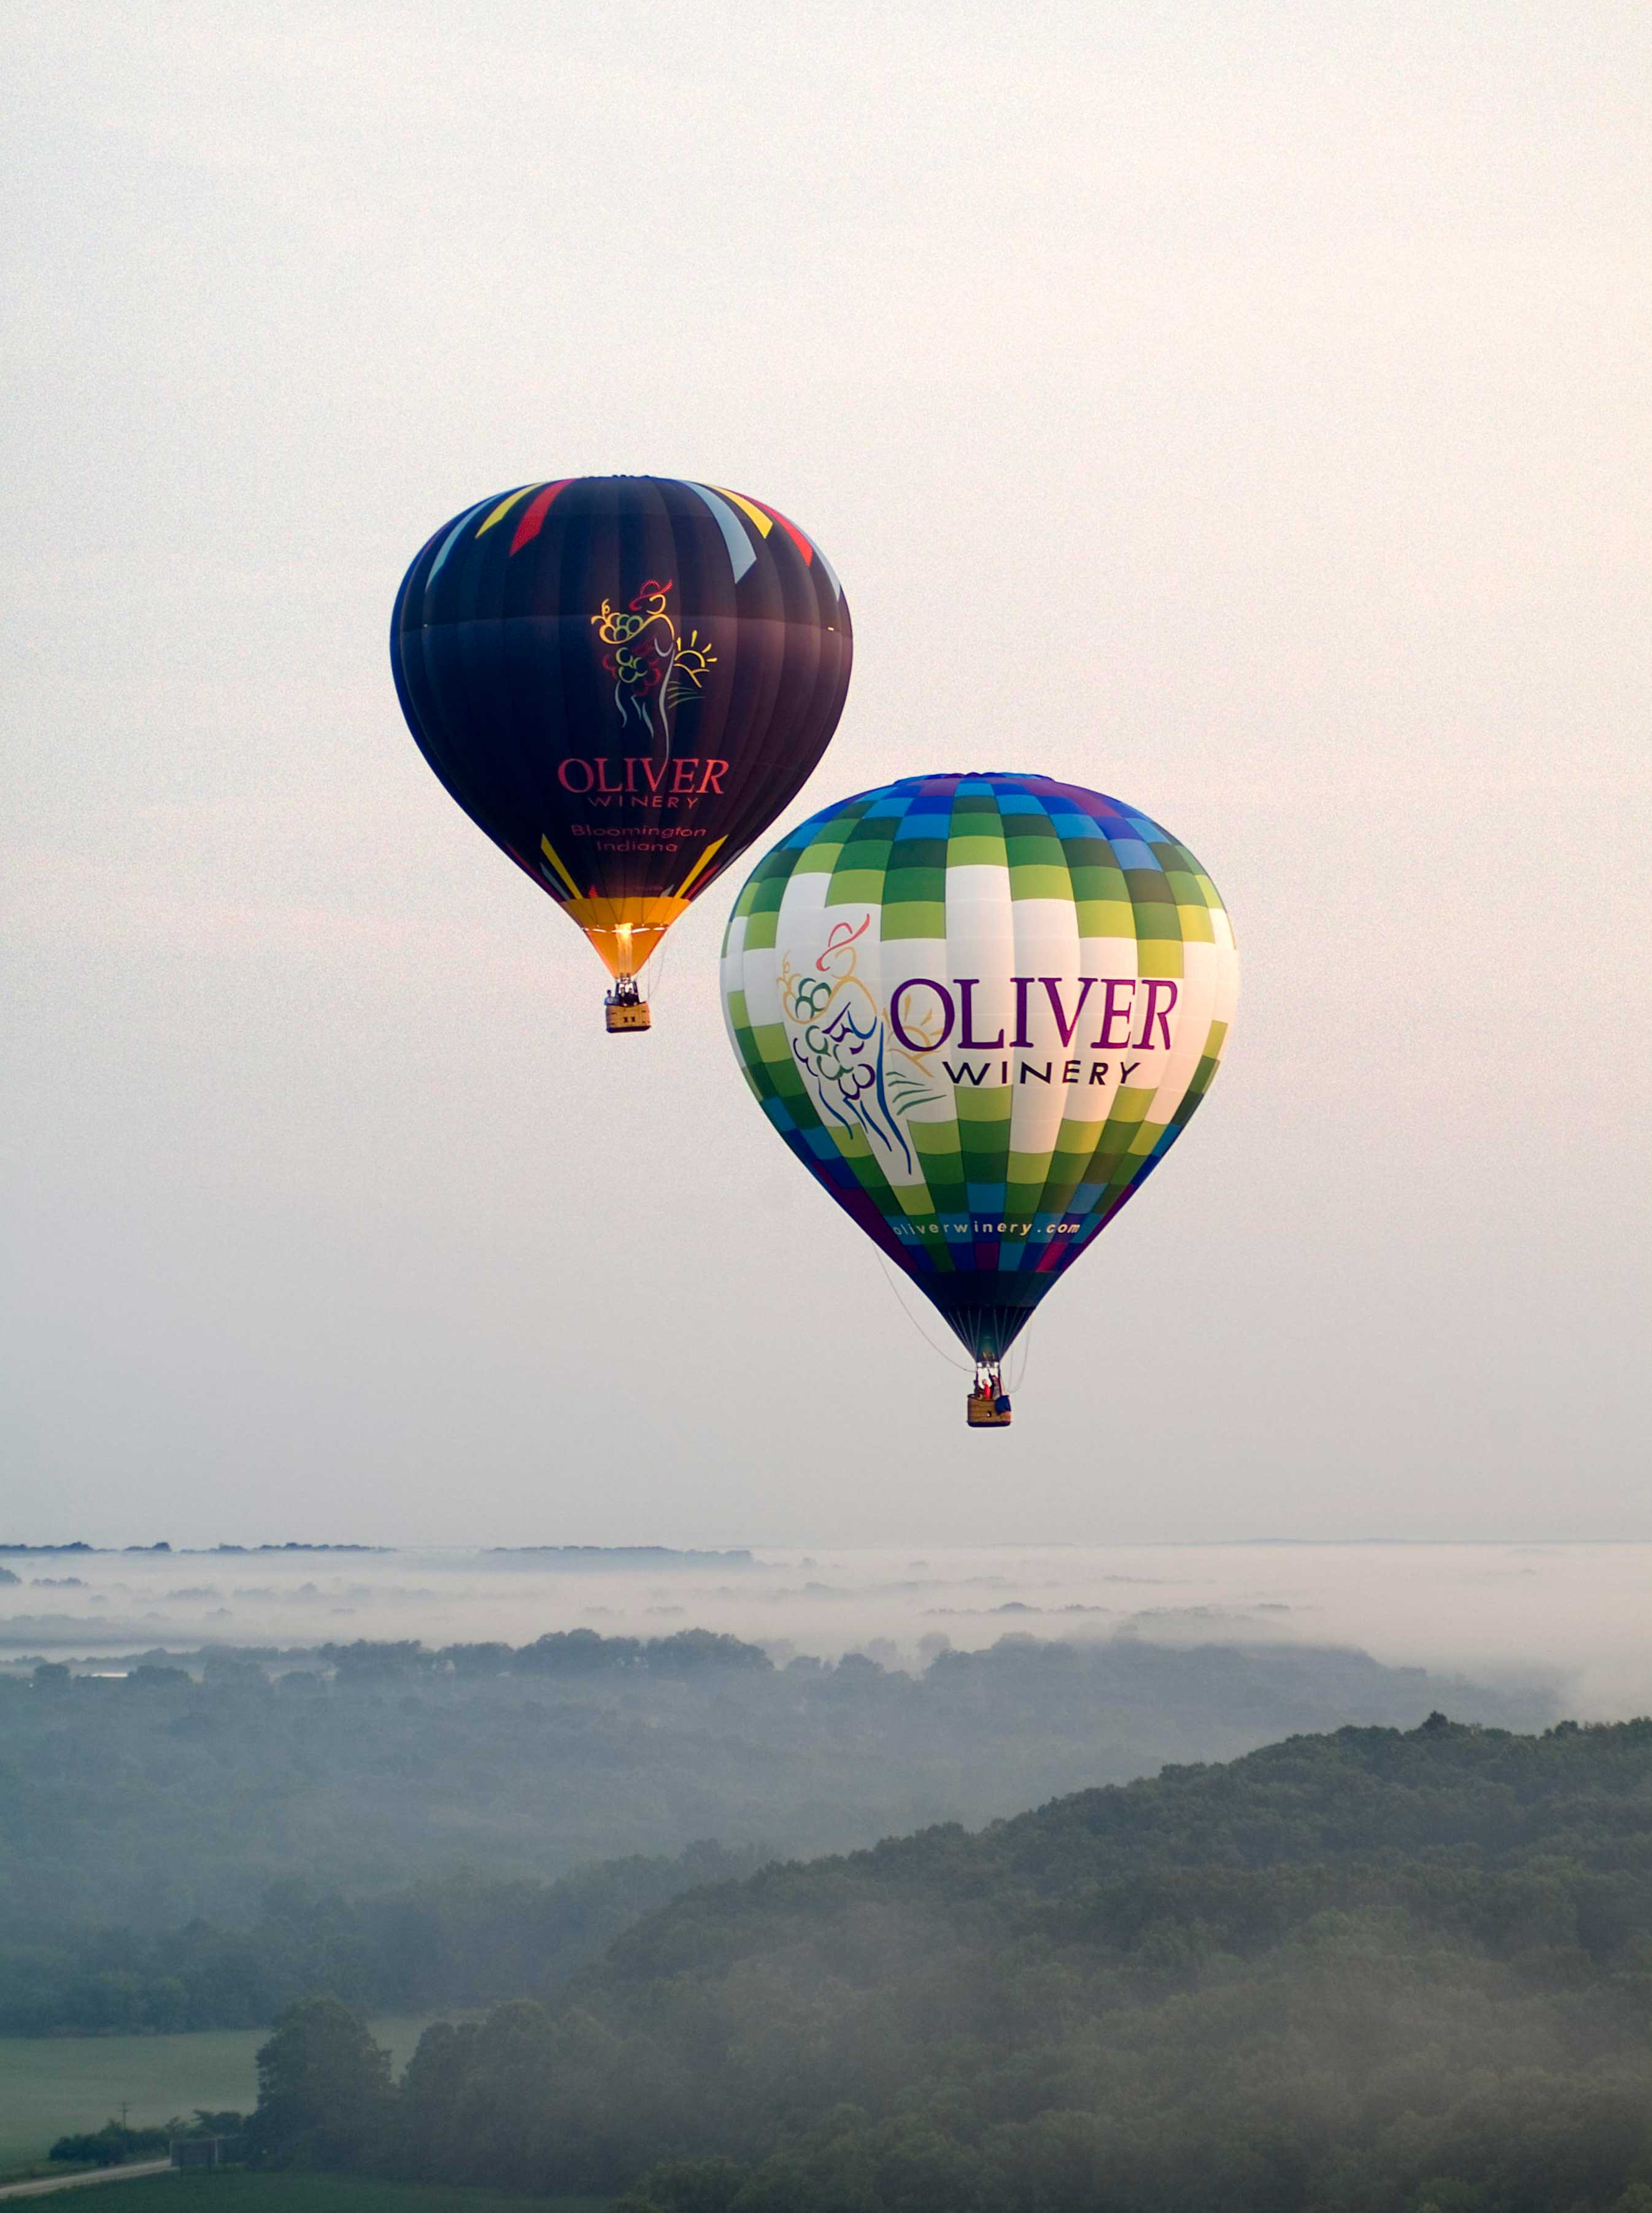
717, 1934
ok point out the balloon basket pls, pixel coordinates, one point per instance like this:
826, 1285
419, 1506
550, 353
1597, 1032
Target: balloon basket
988, 1408
622, 1015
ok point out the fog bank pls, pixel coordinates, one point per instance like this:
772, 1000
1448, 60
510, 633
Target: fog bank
1575, 1616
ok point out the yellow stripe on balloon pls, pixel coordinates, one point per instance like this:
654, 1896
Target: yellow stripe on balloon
681, 891
498, 515
550, 853
765, 523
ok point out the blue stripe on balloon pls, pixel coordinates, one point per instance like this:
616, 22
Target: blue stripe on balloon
741, 552
831, 573
452, 538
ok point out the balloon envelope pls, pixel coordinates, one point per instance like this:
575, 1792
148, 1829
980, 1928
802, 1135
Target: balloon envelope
980, 1010
621, 681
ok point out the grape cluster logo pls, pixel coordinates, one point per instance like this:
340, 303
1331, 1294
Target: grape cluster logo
655, 668
840, 1038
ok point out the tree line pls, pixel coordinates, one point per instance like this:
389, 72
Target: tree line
462, 1939
1376, 1971
191, 1788
114, 2143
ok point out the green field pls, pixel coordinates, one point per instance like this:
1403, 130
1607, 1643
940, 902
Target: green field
51, 2085
307, 2193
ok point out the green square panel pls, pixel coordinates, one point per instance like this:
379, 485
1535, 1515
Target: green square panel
911, 918
1160, 956
854, 887
1106, 918
1030, 881
976, 852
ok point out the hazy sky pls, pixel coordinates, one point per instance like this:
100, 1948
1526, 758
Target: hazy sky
1241, 409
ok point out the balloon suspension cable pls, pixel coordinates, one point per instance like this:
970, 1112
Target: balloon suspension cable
640, 982
939, 1350
1023, 1347
653, 967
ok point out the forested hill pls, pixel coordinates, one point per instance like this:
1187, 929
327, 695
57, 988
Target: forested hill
1368, 1972
189, 1789
1432, 1818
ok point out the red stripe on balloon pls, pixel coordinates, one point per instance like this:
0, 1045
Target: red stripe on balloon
790, 529
535, 513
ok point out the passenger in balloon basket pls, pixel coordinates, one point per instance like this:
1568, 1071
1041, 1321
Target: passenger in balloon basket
988, 1406
624, 1009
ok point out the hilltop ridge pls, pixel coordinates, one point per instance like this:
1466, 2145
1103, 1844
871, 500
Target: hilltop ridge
1368, 1972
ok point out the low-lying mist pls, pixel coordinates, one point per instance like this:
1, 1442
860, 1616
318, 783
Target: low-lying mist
1573, 1616
1374, 1971
167, 1791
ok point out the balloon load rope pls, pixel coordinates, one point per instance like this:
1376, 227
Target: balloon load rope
1024, 1347
654, 967
939, 1351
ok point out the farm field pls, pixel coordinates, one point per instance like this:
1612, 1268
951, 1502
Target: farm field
51, 2085
312, 2193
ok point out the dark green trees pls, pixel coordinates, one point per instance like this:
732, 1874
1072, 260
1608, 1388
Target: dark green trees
324, 2089
1373, 1972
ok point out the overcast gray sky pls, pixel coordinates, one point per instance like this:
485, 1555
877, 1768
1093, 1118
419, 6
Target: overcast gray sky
1241, 409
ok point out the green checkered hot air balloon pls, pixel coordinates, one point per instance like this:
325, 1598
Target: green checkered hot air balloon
980, 1010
